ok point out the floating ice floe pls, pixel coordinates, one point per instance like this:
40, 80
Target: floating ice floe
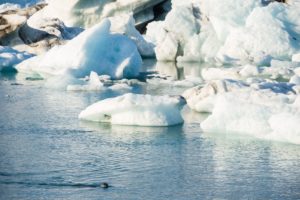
262, 109
136, 109
95, 49
10, 57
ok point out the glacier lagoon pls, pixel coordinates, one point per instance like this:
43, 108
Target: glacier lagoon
46, 152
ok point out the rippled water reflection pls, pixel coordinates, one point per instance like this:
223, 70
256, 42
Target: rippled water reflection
46, 153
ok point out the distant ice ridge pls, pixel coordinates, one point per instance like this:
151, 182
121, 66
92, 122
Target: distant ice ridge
95, 49
136, 109
10, 57
227, 31
267, 110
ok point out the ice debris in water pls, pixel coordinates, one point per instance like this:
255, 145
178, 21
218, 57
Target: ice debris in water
103, 83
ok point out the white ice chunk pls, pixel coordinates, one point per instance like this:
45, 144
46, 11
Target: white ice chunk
295, 80
296, 57
261, 114
95, 49
265, 31
202, 98
125, 24
285, 127
136, 109
215, 30
93, 84
171, 35
167, 50
10, 57
249, 71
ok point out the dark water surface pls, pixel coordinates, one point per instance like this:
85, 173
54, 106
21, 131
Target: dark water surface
47, 153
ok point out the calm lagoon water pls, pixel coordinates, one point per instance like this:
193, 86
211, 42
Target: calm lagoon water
47, 153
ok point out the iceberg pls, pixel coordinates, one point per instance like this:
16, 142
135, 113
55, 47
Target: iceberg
202, 98
271, 30
125, 24
9, 57
261, 108
227, 32
136, 109
296, 57
95, 49
261, 114
171, 35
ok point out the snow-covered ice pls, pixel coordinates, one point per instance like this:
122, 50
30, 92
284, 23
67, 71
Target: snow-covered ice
136, 109
95, 49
